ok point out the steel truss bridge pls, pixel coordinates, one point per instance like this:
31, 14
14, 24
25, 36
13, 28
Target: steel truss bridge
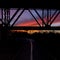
5, 19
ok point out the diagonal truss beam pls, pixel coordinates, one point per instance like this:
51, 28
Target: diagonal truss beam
55, 17
40, 17
34, 18
13, 15
52, 16
18, 17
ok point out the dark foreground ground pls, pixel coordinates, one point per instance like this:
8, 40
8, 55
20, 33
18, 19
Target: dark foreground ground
16, 46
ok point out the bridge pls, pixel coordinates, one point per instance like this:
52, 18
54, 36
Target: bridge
15, 46
9, 19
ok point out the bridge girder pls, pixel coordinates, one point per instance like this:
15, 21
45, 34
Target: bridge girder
6, 20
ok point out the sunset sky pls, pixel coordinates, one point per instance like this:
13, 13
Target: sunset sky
26, 18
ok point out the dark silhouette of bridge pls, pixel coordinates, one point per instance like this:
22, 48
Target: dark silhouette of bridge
15, 46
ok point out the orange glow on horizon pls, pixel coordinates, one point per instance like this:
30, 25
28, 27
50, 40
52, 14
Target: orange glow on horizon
34, 23
27, 31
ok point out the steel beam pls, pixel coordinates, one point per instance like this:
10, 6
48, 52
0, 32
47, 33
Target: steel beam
13, 15
39, 16
3, 23
52, 16
42, 16
47, 16
31, 28
18, 17
34, 17
6, 16
55, 17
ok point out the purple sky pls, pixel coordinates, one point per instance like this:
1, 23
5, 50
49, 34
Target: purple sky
26, 16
